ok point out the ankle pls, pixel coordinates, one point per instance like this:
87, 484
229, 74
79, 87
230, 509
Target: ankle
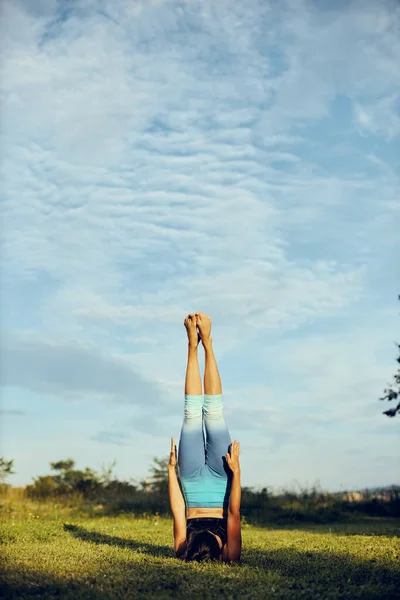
207, 342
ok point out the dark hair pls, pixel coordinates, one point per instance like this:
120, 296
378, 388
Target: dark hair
201, 546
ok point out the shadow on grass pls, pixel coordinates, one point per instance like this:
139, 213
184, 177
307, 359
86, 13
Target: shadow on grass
101, 538
323, 567
364, 527
285, 573
327, 575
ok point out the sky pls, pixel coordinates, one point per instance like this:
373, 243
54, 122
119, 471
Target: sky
163, 157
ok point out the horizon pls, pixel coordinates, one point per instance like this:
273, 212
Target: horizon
258, 488
162, 158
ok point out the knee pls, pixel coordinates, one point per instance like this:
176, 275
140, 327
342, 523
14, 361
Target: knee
193, 407
213, 407
213, 412
192, 413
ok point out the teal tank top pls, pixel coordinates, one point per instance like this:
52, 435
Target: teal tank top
206, 490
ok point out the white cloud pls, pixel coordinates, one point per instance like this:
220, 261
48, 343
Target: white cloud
162, 157
33, 363
381, 117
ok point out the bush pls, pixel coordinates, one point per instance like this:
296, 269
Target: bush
100, 494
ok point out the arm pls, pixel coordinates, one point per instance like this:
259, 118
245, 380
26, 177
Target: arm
234, 534
236, 494
176, 500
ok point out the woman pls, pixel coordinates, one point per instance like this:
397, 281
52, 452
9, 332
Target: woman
207, 511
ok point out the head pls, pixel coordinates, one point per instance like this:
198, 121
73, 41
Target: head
202, 546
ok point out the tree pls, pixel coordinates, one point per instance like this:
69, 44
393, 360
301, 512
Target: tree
159, 475
393, 392
6, 467
71, 479
62, 465
106, 475
66, 480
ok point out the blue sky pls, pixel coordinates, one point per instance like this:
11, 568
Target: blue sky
161, 157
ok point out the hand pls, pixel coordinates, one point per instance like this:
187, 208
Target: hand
172, 456
233, 458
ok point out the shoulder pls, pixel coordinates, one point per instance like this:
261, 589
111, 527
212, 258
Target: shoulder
224, 553
181, 550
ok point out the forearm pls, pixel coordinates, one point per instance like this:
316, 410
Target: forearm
176, 499
236, 494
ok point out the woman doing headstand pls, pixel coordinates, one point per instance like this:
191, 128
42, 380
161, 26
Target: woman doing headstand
207, 513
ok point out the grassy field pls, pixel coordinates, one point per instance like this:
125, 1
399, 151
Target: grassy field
52, 552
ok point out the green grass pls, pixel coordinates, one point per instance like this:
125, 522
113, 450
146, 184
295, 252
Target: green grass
53, 552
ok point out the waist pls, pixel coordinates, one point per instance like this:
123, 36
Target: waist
206, 512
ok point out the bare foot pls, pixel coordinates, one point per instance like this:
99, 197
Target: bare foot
204, 326
191, 329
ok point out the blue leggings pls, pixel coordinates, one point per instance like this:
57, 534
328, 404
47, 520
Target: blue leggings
204, 474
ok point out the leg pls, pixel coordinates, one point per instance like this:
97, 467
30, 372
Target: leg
193, 378
212, 380
191, 455
218, 438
